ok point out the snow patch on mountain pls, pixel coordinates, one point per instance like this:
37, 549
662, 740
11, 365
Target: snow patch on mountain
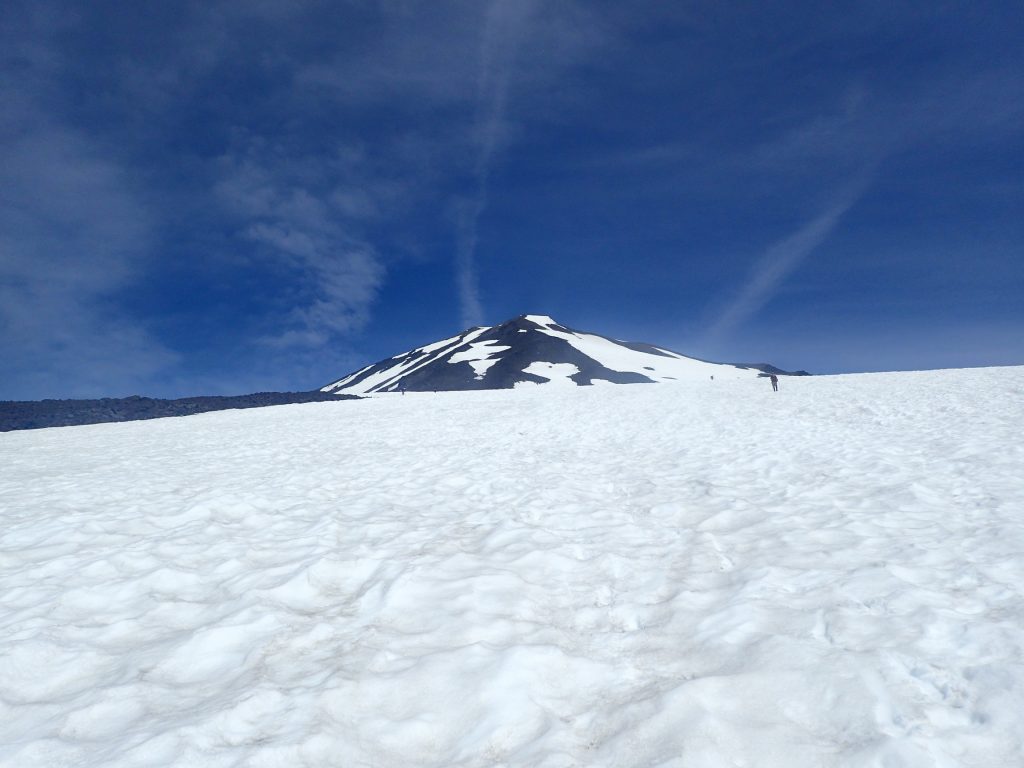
657, 364
541, 320
479, 355
557, 373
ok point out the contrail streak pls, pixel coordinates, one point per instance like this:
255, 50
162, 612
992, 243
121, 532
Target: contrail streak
502, 31
783, 257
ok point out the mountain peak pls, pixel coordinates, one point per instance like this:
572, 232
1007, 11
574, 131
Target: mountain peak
525, 351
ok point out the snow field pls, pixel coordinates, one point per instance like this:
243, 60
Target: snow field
699, 574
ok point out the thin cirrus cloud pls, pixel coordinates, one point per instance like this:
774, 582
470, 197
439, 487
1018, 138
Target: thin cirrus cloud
505, 25
79, 230
278, 146
333, 275
240, 193
781, 258
73, 235
866, 128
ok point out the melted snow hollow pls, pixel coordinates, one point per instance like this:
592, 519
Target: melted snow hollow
708, 574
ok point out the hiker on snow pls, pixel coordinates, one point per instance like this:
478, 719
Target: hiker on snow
775, 382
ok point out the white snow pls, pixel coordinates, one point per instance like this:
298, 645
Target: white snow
540, 319
446, 342
699, 574
555, 373
409, 362
478, 355
665, 367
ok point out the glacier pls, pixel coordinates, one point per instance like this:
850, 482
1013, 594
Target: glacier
699, 573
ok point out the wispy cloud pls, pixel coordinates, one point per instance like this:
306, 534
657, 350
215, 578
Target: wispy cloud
333, 275
503, 29
780, 259
73, 234
280, 158
862, 128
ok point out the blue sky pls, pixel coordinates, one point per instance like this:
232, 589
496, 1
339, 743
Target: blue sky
223, 197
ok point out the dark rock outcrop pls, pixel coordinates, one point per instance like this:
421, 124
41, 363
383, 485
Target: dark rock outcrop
36, 414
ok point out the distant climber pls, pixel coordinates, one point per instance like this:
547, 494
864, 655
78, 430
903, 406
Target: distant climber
775, 382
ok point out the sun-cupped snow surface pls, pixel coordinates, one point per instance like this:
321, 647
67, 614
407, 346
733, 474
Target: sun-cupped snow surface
705, 574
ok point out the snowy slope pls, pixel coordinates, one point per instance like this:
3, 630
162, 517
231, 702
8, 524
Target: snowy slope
523, 352
696, 574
